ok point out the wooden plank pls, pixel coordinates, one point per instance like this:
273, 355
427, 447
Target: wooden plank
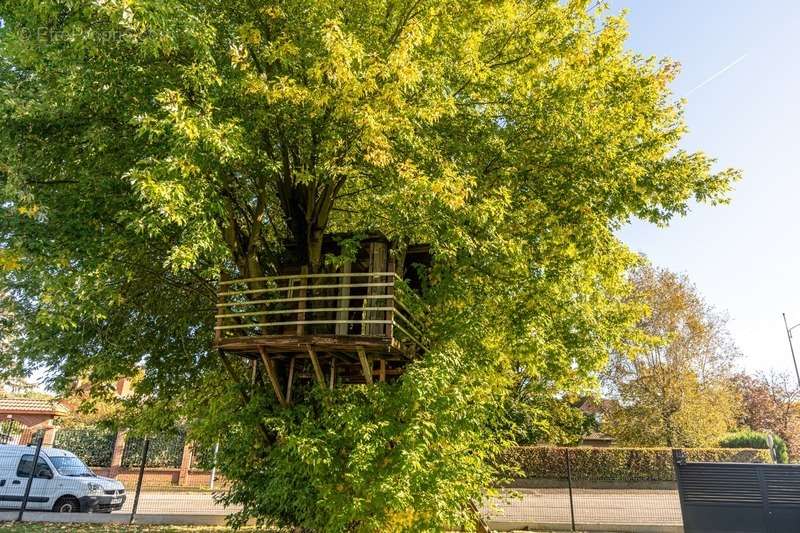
382, 375
308, 311
389, 316
344, 300
253, 370
366, 366
290, 381
300, 322
333, 372
269, 364
293, 299
292, 343
317, 369
293, 276
289, 288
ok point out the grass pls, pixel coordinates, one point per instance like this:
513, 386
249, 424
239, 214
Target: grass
26, 527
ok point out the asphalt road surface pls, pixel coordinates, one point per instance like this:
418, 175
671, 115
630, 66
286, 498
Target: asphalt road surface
169, 502
523, 506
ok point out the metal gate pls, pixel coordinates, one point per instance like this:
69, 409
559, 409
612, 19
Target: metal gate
740, 497
10, 431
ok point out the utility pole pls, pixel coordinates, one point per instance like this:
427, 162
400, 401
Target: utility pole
791, 347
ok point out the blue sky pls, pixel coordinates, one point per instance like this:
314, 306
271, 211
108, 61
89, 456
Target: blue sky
744, 258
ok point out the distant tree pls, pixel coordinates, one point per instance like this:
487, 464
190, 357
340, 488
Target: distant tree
673, 387
771, 402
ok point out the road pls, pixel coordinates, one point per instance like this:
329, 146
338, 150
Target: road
523, 506
170, 502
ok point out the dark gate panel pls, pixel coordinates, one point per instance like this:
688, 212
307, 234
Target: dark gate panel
739, 497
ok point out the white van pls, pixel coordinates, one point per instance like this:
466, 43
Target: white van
61, 483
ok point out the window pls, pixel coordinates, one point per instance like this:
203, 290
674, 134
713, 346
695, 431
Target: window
24, 467
70, 466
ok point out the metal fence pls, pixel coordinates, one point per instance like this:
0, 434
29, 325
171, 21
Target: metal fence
578, 500
155, 477
165, 478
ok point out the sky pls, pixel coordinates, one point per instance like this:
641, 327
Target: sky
741, 76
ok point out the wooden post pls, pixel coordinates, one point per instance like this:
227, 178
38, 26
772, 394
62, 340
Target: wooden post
317, 368
290, 381
378, 253
344, 300
333, 372
382, 375
390, 300
269, 364
366, 366
220, 310
301, 305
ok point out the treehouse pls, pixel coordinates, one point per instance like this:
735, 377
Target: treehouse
358, 322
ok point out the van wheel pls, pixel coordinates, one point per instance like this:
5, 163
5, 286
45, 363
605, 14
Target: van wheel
67, 504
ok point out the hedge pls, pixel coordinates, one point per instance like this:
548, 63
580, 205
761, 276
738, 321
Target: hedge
94, 446
617, 464
165, 451
755, 439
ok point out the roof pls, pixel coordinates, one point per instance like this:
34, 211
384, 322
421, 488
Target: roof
592, 406
598, 436
31, 406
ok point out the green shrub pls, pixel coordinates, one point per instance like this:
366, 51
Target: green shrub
617, 464
165, 451
94, 446
755, 439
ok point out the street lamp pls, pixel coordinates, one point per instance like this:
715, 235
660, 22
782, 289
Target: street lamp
789, 334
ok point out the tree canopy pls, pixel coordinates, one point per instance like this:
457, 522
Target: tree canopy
148, 147
676, 389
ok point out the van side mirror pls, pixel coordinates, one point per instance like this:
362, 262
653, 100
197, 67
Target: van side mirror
45, 473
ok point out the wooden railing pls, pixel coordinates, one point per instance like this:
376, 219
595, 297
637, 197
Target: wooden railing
344, 304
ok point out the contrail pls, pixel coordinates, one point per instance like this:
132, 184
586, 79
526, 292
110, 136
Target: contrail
717, 75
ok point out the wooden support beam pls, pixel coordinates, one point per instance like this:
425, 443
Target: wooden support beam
253, 370
269, 364
317, 369
382, 375
290, 381
333, 372
342, 317
268, 437
366, 366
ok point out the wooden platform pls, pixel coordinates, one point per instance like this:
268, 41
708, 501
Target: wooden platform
332, 328
299, 344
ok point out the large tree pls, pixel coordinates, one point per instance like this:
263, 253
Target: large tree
148, 147
771, 402
673, 387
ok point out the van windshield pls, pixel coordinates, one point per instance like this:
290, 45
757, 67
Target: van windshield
71, 466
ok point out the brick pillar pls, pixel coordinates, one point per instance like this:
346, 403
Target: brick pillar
49, 435
116, 456
186, 464
26, 436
